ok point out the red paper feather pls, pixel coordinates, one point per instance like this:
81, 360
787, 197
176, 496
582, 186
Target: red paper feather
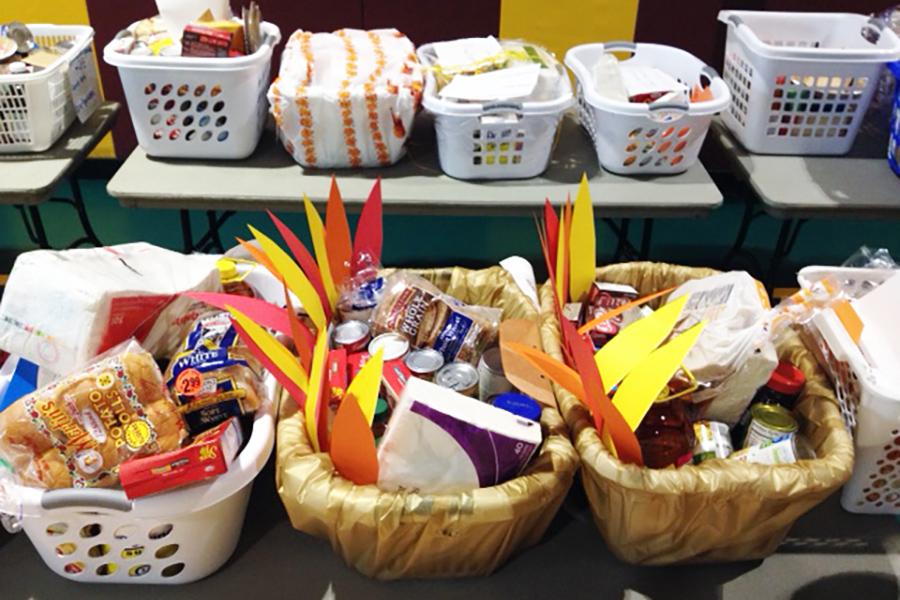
305, 260
369, 229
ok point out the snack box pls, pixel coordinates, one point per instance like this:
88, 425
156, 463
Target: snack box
209, 455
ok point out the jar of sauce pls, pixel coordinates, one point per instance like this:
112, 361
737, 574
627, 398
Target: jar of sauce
666, 435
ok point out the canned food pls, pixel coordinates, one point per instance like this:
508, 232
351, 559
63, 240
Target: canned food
767, 422
780, 451
458, 376
392, 344
352, 335
424, 363
711, 440
491, 380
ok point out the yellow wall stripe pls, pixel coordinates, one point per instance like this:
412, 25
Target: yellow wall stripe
561, 24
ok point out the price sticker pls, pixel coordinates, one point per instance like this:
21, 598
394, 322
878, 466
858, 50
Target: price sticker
189, 382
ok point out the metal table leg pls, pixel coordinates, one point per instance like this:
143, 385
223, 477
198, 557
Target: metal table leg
787, 238
624, 248
646, 239
210, 240
751, 213
34, 226
77, 202
186, 233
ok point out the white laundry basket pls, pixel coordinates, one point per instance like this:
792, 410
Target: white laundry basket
636, 138
802, 81
498, 140
870, 406
36, 108
100, 536
186, 107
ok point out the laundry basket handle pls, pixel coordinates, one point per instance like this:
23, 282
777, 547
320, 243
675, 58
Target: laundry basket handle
86, 498
620, 45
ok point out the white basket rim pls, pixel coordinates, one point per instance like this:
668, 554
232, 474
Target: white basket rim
83, 34
433, 103
722, 94
271, 38
733, 19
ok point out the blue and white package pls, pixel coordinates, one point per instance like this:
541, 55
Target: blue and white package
439, 441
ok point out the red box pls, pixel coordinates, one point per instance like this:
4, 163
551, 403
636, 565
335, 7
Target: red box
356, 361
337, 374
394, 376
209, 455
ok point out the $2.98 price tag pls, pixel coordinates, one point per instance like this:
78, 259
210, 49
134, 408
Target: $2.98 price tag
189, 382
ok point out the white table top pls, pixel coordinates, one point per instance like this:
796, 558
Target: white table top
860, 184
270, 179
31, 178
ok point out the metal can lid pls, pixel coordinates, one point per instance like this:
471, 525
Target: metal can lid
457, 376
393, 345
775, 417
350, 332
424, 361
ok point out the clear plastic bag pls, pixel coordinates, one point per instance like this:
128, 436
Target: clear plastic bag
76, 431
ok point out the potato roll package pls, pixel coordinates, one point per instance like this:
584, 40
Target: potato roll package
78, 430
348, 98
214, 377
412, 306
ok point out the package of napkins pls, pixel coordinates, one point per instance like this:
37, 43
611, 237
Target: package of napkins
439, 441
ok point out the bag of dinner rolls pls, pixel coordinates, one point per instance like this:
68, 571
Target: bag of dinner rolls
76, 431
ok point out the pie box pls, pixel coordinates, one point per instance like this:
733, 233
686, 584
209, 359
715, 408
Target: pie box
207, 456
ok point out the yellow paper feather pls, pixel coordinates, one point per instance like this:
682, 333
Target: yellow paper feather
293, 276
634, 343
314, 393
275, 350
582, 244
317, 232
366, 384
646, 381
561, 258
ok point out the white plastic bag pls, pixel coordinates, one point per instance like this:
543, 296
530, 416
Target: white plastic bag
734, 355
62, 308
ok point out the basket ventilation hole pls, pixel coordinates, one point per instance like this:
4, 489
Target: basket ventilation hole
173, 570
190, 134
174, 134
218, 106
171, 120
629, 160
634, 133
206, 135
188, 121
185, 106
74, 568
201, 106
107, 569
91, 530
169, 105
221, 121
679, 146
645, 161
215, 91
677, 159
668, 132
138, 570
57, 528
664, 146
65, 549
183, 89
204, 121
160, 531
198, 91
166, 89
167, 551
154, 102
132, 552
149, 88
98, 550
223, 135
650, 133
155, 119
124, 532
684, 131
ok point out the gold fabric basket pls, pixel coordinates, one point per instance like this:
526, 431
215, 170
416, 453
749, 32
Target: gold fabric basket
391, 535
720, 510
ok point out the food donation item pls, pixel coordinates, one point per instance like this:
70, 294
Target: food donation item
78, 430
424, 363
208, 455
711, 440
518, 404
460, 377
365, 85
784, 386
734, 355
214, 377
666, 435
491, 380
60, 309
602, 298
416, 309
438, 441
352, 335
393, 346
769, 422
782, 450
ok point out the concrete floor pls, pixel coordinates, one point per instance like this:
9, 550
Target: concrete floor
830, 554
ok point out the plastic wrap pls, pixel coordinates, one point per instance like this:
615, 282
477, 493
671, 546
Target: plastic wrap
76, 431
348, 98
